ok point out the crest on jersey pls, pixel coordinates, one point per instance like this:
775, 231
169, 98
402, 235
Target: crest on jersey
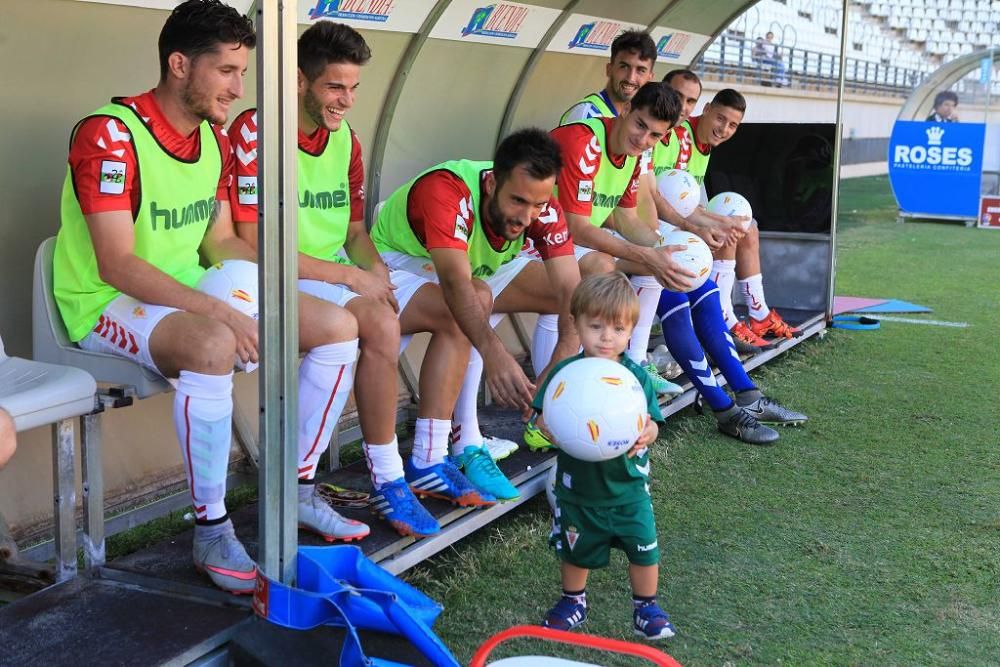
571, 537
112, 177
246, 188
585, 191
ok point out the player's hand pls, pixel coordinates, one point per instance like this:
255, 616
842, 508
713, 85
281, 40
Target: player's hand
375, 284
507, 383
723, 229
669, 273
646, 438
245, 329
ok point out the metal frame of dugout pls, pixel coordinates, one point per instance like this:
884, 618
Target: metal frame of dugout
800, 267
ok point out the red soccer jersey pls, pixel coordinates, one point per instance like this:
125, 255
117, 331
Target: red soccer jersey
243, 196
581, 157
436, 199
102, 139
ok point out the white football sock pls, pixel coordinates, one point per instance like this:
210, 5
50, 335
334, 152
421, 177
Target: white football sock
648, 290
384, 461
203, 417
326, 376
724, 275
543, 342
752, 289
430, 442
465, 420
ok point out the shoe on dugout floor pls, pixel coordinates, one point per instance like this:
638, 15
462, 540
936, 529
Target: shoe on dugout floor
661, 385
316, 516
480, 469
773, 326
746, 341
534, 438
499, 448
395, 502
445, 481
224, 559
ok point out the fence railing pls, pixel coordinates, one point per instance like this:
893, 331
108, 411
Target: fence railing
733, 57
736, 58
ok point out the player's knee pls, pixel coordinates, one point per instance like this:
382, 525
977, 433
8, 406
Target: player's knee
335, 324
752, 238
597, 263
378, 328
485, 295
214, 349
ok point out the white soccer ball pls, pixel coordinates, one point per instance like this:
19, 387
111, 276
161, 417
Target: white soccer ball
595, 409
696, 258
731, 203
235, 282
680, 190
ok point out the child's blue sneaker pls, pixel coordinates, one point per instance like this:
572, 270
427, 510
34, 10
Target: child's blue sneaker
651, 622
566, 615
445, 481
394, 502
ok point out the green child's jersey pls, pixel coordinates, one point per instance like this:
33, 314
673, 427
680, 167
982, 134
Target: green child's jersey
619, 481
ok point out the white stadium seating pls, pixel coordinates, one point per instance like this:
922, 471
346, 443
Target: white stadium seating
917, 36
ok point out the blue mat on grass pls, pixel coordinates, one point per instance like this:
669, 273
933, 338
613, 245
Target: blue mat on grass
894, 306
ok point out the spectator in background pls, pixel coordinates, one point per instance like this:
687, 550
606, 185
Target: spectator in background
945, 108
8, 441
766, 51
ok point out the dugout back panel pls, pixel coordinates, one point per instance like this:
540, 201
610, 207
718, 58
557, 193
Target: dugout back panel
786, 172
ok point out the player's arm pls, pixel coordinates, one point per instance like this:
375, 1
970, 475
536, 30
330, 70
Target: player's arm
371, 276
504, 377
113, 237
373, 280
221, 240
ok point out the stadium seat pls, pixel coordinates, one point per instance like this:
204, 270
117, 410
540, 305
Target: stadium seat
39, 394
52, 344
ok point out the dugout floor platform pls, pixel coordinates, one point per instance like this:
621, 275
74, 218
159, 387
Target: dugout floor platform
152, 608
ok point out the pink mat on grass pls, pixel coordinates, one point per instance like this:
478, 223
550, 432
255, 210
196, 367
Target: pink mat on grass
849, 304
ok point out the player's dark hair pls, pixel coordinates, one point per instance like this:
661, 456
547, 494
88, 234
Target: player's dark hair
945, 96
638, 41
606, 296
531, 148
659, 100
685, 74
727, 97
325, 43
197, 27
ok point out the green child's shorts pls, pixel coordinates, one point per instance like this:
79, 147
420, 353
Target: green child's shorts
583, 536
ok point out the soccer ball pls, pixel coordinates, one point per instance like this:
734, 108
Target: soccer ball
680, 190
595, 409
235, 282
697, 258
731, 203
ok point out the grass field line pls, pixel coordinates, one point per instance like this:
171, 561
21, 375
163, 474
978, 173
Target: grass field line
911, 320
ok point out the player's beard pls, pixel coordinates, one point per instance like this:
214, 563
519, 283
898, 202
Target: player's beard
199, 103
499, 224
314, 109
